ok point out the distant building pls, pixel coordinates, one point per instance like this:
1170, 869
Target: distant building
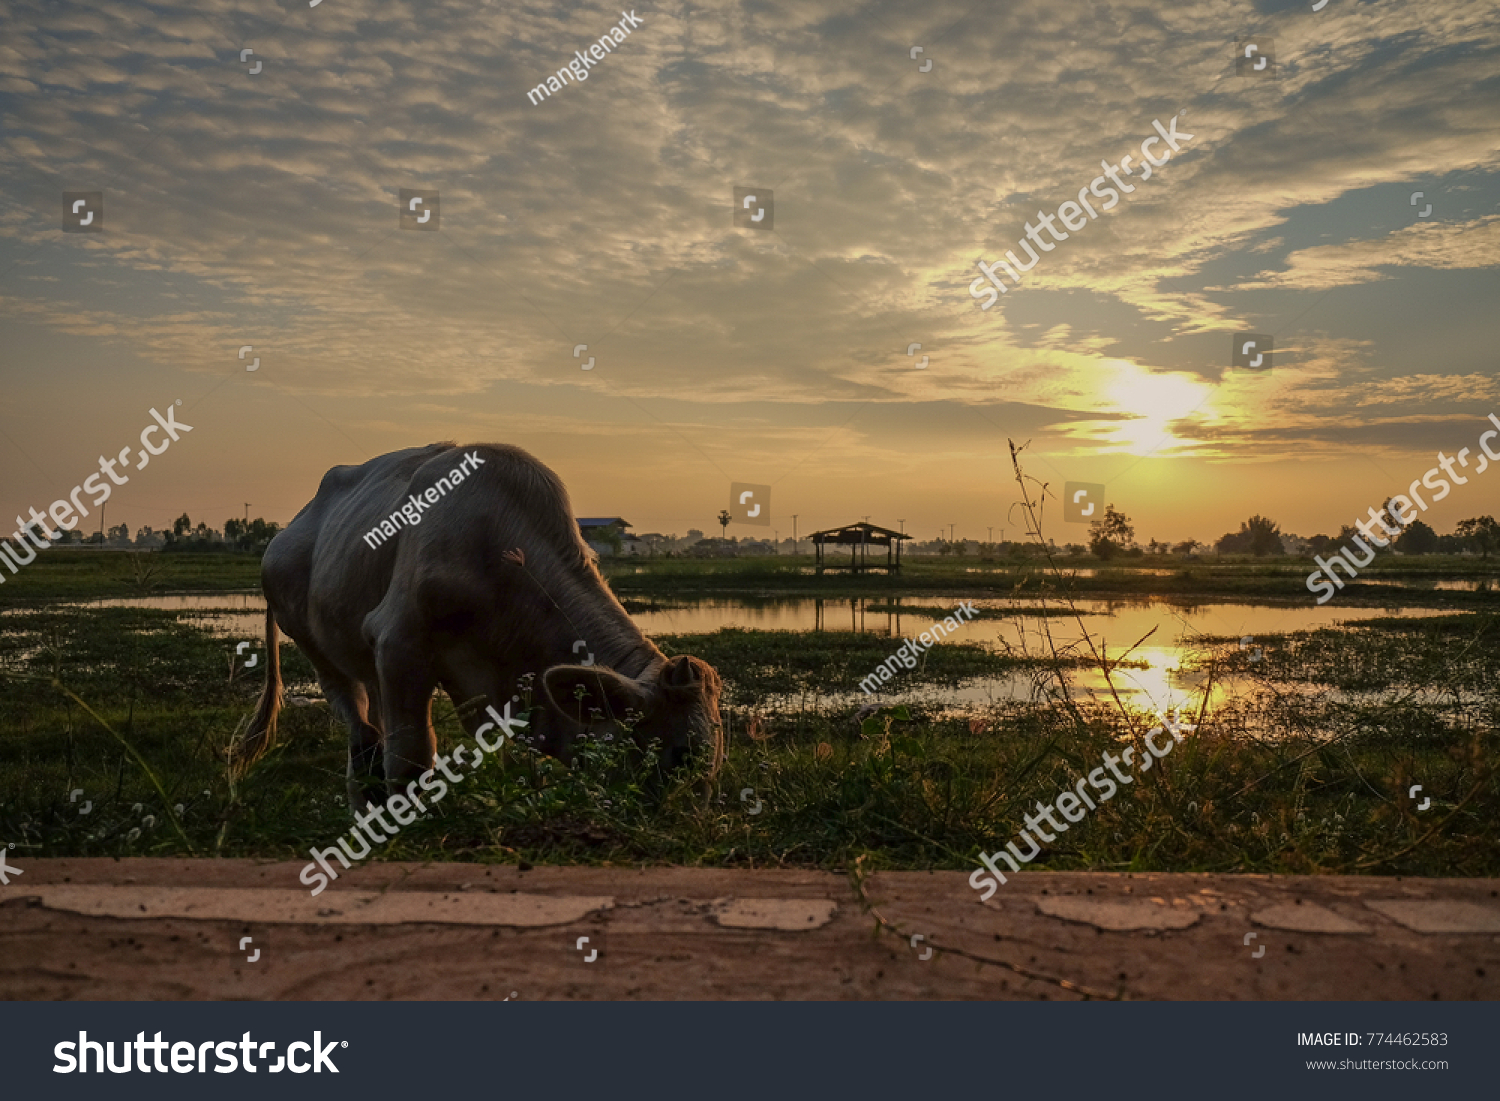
712, 548
592, 527
606, 535
859, 538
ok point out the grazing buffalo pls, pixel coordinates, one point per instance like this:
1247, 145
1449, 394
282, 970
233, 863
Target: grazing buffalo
463, 568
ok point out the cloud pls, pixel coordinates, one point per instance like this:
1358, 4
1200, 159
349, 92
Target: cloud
1436, 245
262, 209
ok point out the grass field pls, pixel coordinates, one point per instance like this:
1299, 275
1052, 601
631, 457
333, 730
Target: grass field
134, 706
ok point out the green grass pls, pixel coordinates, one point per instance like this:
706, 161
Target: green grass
1260, 579
68, 575
1356, 716
97, 575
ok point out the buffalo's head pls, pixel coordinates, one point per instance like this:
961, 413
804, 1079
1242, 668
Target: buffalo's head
674, 704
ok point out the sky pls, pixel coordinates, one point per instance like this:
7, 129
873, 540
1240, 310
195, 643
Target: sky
262, 209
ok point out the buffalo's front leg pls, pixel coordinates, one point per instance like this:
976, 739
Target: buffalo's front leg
406, 685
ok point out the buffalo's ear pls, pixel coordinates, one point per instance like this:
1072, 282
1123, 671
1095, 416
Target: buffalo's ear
604, 689
686, 675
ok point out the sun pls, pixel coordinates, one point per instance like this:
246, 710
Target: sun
1153, 400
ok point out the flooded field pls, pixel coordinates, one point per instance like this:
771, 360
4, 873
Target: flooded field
1167, 640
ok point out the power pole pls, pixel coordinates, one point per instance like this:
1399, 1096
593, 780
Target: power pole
795, 548
903, 526
992, 534
247, 512
950, 533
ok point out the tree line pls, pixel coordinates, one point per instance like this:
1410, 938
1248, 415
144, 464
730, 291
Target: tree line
1114, 534
236, 534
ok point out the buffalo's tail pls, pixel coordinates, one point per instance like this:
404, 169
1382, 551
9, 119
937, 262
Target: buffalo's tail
253, 740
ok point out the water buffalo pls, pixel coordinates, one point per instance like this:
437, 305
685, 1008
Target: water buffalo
463, 568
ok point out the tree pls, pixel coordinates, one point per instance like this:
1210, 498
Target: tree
1481, 533
1418, 538
1233, 542
1265, 535
1187, 546
724, 519
182, 525
262, 532
1258, 535
1388, 519
1110, 534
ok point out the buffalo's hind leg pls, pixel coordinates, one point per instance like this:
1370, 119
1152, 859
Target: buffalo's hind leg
351, 704
364, 777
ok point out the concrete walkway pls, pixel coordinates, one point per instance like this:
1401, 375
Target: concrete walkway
178, 929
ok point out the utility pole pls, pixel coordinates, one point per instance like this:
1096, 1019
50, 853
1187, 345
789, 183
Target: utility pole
903, 526
992, 534
795, 548
950, 533
247, 512
776, 544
